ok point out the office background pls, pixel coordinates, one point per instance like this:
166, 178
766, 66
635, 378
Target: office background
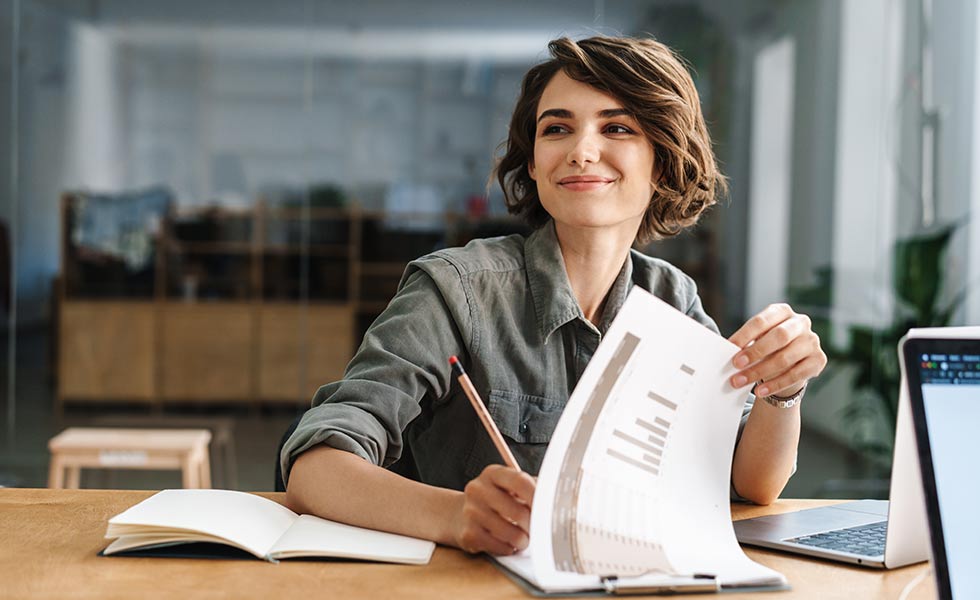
204, 204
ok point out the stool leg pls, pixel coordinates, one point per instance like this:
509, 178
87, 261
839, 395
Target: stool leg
231, 471
56, 473
74, 477
205, 463
190, 473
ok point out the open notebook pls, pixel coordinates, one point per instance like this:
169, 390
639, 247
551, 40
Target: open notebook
254, 524
633, 493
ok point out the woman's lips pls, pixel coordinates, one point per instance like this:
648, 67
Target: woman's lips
583, 183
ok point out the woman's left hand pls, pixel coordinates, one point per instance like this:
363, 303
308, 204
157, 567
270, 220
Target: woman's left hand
780, 352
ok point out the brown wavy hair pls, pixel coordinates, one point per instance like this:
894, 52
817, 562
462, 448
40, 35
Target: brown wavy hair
653, 84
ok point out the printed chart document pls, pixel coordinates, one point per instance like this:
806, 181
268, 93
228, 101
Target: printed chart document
633, 493
257, 525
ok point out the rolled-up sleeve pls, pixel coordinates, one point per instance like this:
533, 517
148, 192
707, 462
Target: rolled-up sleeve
401, 361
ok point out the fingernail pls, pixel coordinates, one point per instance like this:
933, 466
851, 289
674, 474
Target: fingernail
739, 380
762, 391
741, 361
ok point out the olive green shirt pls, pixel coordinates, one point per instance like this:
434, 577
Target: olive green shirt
504, 306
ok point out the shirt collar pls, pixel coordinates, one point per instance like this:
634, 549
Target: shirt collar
617, 294
554, 302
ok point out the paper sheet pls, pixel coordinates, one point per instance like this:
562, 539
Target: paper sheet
251, 522
636, 477
313, 536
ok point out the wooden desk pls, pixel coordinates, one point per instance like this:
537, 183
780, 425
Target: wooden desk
50, 539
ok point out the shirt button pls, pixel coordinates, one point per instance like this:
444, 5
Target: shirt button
523, 427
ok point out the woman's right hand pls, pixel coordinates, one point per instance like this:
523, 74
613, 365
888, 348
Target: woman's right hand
494, 515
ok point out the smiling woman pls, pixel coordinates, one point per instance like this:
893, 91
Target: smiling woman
607, 146
645, 85
592, 165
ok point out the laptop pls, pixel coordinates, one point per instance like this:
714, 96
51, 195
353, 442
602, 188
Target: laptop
944, 386
872, 533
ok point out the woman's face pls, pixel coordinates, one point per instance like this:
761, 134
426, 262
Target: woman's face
592, 163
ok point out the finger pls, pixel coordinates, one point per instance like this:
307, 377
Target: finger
485, 492
774, 364
478, 539
517, 483
777, 337
501, 502
499, 528
792, 380
760, 323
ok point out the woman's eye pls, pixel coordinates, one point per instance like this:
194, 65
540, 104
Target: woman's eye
618, 129
553, 129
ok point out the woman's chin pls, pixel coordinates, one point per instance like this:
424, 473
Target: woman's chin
596, 223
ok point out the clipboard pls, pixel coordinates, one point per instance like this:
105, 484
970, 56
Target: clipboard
619, 586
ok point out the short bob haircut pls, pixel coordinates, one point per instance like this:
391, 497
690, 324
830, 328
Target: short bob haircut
655, 87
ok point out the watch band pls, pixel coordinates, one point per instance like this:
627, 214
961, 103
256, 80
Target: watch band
787, 402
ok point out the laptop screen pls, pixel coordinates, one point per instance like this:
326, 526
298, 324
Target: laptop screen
944, 387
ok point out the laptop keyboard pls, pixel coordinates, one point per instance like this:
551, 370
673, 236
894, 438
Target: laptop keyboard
865, 540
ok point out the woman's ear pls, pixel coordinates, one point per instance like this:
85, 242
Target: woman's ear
655, 179
658, 174
530, 170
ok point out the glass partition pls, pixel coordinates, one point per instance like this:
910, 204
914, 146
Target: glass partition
205, 205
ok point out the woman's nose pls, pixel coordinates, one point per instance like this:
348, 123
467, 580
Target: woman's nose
585, 150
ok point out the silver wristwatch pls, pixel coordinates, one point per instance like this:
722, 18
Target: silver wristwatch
788, 402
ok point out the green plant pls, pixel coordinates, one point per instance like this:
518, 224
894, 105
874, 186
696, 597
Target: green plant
917, 283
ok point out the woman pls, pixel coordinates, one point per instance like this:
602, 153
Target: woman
607, 146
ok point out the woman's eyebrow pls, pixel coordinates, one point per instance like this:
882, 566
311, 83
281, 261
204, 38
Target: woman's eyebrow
558, 113
614, 112
564, 113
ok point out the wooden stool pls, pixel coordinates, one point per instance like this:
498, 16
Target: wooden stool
224, 466
77, 447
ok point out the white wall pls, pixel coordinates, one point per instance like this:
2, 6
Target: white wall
814, 28
93, 153
864, 184
163, 123
770, 179
195, 120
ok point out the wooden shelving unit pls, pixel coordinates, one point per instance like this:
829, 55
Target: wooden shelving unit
246, 306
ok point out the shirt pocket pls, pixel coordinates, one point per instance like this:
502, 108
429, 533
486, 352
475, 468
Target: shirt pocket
526, 423
524, 418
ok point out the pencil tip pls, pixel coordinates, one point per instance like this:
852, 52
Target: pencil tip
453, 360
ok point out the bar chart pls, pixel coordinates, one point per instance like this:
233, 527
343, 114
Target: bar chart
646, 439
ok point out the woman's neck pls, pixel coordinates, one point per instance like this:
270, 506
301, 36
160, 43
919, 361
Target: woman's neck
593, 259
